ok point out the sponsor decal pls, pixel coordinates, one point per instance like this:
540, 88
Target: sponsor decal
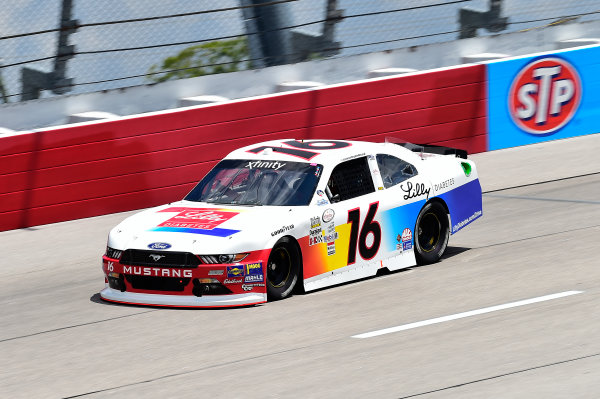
406, 235
313, 240
328, 215
232, 281
322, 202
156, 271
235, 271
315, 222
544, 96
406, 239
318, 170
413, 191
315, 236
330, 228
203, 218
282, 230
265, 165
254, 278
463, 223
353, 157
250, 287
330, 248
445, 184
159, 245
320, 193
254, 273
215, 272
329, 238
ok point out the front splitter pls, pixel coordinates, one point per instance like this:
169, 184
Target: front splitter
209, 301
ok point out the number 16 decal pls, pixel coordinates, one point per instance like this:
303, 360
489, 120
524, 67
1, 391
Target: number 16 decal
369, 227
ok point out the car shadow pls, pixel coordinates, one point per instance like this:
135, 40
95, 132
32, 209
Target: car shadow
453, 251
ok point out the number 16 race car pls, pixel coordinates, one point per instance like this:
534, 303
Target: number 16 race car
286, 215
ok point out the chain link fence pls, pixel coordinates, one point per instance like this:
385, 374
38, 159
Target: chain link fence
122, 43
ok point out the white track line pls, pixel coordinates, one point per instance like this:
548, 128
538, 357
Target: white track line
465, 314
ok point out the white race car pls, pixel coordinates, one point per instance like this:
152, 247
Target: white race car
286, 215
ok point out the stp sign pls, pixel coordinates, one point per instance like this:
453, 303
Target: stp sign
544, 96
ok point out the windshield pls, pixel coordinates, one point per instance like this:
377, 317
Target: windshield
251, 182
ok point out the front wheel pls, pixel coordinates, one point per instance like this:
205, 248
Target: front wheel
283, 269
432, 231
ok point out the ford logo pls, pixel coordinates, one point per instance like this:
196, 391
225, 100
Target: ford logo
159, 245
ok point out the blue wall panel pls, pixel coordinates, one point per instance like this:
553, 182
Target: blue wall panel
554, 96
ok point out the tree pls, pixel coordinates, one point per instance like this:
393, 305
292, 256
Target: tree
203, 59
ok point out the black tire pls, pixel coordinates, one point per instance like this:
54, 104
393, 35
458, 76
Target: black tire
432, 232
283, 269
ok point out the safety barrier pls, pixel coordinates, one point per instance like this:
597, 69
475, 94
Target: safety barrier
135, 162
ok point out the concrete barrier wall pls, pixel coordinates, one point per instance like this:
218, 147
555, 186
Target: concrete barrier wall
135, 162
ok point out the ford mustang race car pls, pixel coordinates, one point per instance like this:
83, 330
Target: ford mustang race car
287, 215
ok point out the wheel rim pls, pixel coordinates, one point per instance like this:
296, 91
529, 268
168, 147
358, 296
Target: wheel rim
429, 232
279, 267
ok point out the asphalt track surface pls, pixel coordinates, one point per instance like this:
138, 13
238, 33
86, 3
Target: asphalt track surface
466, 327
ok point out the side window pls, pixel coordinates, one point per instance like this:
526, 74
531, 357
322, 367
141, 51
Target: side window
350, 179
394, 170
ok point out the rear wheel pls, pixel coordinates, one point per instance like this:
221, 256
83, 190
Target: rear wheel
432, 231
283, 269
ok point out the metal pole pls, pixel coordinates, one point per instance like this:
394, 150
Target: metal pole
253, 34
34, 80
271, 23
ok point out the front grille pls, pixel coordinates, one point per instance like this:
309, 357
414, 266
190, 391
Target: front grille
139, 257
151, 283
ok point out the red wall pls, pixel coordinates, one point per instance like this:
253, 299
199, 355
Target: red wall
137, 162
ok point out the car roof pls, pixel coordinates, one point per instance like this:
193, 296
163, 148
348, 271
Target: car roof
317, 151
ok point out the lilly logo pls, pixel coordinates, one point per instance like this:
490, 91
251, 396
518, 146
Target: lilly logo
159, 245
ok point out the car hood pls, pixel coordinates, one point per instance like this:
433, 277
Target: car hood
201, 228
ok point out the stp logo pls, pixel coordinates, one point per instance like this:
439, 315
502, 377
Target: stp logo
545, 95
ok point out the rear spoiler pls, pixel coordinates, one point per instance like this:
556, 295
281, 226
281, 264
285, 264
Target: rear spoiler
435, 149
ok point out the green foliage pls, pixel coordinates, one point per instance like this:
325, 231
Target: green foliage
203, 59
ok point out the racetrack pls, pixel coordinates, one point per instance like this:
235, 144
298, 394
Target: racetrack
533, 241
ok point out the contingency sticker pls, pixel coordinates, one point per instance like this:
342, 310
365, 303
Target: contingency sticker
406, 239
315, 234
254, 273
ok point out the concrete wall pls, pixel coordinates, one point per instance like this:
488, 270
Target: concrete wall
128, 163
